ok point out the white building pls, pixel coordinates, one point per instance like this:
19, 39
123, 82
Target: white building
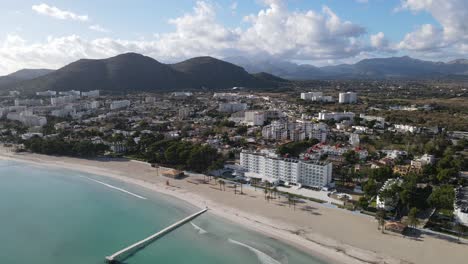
296, 131
150, 99
461, 205
27, 118
322, 149
378, 119
47, 93
232, 107
94, 93
271, 168
28, 102
185, 112
119, 104
254, 118
354, 139
14, 93
311, 96
336, 116
55, 101
406, 128
422, 161
182, 94
348, 98
226, 96
72, 92
388, 203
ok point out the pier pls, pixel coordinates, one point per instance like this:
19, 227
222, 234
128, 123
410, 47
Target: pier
143, 243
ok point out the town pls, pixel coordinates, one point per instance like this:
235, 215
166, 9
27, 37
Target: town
351, 149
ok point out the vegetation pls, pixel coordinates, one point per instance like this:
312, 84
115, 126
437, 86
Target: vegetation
296, 148
57, 146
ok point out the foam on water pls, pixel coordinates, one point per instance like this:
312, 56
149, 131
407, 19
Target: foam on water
262, 257
116, 188
199, 229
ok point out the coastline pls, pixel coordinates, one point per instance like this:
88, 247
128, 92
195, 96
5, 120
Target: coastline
328, 245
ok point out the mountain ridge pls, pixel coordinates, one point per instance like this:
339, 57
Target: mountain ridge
130, 72
376, 68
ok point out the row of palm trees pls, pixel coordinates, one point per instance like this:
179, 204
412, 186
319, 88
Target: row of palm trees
270, 191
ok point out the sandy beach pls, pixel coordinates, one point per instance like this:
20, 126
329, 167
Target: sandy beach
335, 235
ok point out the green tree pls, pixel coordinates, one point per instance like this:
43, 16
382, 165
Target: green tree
413, 220
442, 197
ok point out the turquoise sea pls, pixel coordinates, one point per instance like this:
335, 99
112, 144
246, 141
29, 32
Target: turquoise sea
57, 216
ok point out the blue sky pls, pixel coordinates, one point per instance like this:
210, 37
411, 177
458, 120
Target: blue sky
51, 33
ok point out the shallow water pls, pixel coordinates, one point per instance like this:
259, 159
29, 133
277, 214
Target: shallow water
50, 216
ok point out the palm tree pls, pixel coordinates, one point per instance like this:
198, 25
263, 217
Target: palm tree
380, 216
460, 229
222, 183
241, 191
266, 192
235, 188
413, 220
290, 199
254, 183
275, 191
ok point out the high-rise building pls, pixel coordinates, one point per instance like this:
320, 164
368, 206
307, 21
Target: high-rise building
348, 98
270, 167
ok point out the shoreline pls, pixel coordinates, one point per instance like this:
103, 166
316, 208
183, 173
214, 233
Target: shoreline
323, 247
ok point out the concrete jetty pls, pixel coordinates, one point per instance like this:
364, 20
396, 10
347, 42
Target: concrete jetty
141, 244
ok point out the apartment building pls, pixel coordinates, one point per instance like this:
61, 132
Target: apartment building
272, 168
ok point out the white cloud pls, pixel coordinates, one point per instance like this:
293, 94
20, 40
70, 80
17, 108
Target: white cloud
54, 12
452, 33
99, 28
274, 31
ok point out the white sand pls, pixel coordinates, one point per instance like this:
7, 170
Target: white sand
335, 235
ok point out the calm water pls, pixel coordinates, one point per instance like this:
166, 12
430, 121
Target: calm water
50, 216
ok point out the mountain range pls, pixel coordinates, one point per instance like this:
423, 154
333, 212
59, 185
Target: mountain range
134, 72
23, 75
379, 68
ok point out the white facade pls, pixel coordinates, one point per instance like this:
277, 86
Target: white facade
388, 203
336, 116
72, 92
348, 98
47, 93
27, 118
461, 205
311, 96
119, 104
150, 99
231, 107
28, 102
254, 118
354, 139
406, 128
94, 93
372, 118
296, 131
63, 99
289, 171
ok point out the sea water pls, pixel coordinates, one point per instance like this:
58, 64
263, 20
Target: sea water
58, 216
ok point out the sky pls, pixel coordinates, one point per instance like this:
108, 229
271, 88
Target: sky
53, 33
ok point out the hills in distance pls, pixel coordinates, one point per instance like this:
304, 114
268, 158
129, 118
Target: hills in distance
134, 72
379, 68
22, 75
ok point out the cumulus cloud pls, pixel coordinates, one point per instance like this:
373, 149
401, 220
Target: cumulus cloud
450, 34
314, 35
52, 11
99, 28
